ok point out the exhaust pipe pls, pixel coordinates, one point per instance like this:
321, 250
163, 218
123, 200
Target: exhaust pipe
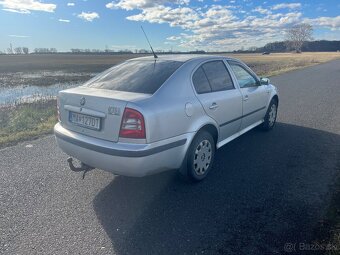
83, 167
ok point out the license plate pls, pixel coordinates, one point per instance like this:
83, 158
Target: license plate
85, 120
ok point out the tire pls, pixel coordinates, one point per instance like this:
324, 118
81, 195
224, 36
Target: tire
270, 117
200, 157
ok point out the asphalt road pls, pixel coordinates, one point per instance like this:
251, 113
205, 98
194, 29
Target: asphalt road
267, 189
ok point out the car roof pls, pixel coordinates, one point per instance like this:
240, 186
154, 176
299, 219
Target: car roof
183, 57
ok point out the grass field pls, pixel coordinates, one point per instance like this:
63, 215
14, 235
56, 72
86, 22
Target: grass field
25, 121
276, 63
272, 64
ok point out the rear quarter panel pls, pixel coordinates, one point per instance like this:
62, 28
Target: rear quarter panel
174, 109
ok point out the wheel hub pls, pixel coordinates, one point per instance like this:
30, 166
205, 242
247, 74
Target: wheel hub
202, 157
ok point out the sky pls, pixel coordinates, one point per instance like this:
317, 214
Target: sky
186, 25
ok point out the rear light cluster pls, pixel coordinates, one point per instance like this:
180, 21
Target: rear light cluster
133, 125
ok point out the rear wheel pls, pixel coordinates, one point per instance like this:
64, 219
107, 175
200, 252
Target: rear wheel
270, 118
200, 156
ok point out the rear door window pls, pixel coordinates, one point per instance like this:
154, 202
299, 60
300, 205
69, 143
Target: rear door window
218, 75
139, 76
211, 77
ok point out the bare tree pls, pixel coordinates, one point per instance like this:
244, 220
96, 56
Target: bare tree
298, 35
53, 50
45, 50
25, 50
18, 50
10, 49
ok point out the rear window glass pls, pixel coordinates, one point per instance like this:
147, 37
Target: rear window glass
139, 76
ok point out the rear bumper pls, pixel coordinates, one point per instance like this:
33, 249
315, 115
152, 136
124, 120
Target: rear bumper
124, 158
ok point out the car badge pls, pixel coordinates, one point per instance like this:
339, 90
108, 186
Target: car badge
82, 101
113, 110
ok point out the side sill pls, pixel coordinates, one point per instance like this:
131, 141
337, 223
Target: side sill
241, 132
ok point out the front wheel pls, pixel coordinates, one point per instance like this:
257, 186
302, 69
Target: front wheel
270, 118
200, 156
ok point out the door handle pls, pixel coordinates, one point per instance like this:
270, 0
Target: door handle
245, 98
213, 106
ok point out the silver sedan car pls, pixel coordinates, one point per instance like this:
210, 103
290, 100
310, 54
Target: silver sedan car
149, 115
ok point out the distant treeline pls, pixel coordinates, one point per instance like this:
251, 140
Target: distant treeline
25, 50
313, 46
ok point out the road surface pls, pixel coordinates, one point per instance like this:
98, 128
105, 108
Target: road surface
266, 190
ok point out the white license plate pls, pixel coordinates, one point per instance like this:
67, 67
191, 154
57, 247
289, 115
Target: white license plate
85, 120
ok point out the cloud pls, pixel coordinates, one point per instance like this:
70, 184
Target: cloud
19, 36
88, 16
64, 20
17, 11
70, 4
261, 10
286, 6
173, 38
141, 4
181, 16
110, 5
26, 6
218, 27
332, 23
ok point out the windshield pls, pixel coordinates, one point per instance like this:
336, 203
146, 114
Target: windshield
139, 76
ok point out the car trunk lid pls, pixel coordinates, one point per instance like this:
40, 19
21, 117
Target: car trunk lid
95, 112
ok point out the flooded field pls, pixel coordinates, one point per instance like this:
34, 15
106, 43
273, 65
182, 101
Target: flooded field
25, 87
30, 78
31, 93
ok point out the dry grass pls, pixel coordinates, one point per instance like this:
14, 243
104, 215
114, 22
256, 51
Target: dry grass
26, 121
277, 63
263, 65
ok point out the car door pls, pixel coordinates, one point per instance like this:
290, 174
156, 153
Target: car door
218, 96
254, 95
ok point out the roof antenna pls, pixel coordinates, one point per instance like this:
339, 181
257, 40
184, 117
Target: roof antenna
154, 54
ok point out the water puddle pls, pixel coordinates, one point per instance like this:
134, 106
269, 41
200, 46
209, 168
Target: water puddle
27, 93
20, 87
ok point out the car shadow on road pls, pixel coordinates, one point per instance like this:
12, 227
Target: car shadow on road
266, 189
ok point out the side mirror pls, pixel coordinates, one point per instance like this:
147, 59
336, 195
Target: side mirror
264, 81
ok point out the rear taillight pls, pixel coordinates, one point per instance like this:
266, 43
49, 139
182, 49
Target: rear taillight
132, 125
58, 109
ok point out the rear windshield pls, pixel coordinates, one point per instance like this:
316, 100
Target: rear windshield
139, 76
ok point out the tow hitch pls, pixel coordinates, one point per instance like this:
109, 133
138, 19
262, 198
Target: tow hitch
83, 167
